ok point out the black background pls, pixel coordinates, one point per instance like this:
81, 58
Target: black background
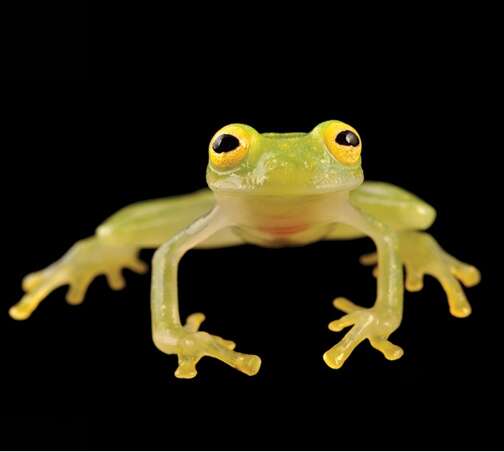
89, 376
44, 41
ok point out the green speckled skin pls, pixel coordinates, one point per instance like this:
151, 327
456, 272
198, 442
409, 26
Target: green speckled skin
271, 190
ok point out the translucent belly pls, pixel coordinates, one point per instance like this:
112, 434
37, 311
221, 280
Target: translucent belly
280, 236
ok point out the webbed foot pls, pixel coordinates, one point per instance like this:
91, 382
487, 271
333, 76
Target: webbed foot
373, 324
191, 345
422, 255
77, 268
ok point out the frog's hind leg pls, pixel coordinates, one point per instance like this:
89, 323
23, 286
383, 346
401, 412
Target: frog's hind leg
84, 261
419, 251
422, 255
115, 246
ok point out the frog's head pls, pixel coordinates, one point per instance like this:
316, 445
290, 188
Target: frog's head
325, 159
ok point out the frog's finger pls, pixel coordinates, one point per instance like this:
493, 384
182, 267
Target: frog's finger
345, 305
187, 366
24, 308
343, 322
248, 364
77, 290
137, 266
193, 324
115, 279
457, 301
369, 259
32, 280
468, 274
194, 321
389, 350
230, 345
414, 279
336, 356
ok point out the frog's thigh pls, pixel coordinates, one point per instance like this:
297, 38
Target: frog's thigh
390, 204
223, 238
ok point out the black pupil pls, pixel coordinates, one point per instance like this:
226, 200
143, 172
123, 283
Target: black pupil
347, 138
225, 143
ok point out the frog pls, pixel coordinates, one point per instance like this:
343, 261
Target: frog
271, 190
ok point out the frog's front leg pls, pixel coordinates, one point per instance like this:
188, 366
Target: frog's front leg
168, 333
422, 255
377, 323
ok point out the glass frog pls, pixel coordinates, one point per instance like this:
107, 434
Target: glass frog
271, 190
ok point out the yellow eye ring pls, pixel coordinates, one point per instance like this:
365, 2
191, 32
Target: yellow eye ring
343, 142
228, 147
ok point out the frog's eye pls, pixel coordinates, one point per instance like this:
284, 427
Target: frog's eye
225, 143
228, 148
343, 143
347, 138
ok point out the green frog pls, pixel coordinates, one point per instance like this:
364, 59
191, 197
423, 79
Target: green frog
271, 190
